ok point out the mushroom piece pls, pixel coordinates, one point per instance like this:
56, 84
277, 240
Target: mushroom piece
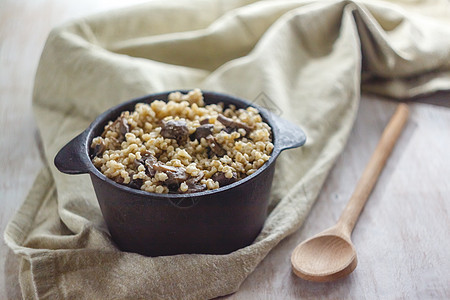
222, 179
148, 161
194, 188
123, 126
204, 121
202, 131
215, 146
175, 129
118, 179
232, 124
175, 175
120, 126
99, 149
135, 183
194, 185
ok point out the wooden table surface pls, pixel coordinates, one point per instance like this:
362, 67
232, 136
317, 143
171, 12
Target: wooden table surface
402, 237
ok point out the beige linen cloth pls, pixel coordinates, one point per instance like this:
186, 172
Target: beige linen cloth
310, 58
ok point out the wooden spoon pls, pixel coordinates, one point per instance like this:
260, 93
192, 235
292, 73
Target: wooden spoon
330, 254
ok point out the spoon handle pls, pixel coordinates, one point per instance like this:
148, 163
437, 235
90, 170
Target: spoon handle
373, 169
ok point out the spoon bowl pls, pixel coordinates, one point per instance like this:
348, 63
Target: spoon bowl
325, 257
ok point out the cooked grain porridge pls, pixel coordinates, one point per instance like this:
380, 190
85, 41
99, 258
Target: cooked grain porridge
182, 145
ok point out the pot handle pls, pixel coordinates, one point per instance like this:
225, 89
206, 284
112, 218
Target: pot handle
288, 134
72, 158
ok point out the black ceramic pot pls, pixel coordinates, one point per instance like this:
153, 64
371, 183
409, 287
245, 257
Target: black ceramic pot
214, 221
